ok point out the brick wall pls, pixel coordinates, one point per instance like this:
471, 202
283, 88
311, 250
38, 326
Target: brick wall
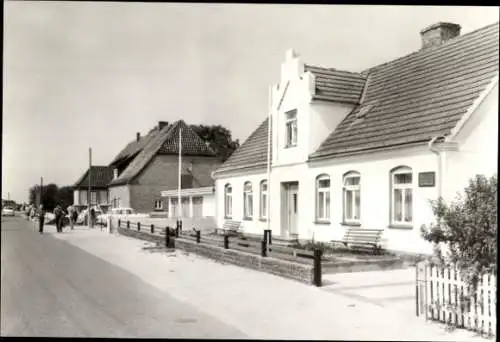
161, 175
286, 269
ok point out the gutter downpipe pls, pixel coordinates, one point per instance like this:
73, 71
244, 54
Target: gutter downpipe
440, 169
269, 132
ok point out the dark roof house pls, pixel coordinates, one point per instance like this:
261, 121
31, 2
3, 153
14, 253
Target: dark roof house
407, 101
100, 176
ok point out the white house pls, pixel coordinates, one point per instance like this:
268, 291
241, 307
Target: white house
196, 202
369, 149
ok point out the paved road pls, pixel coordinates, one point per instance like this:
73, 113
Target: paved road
51, 288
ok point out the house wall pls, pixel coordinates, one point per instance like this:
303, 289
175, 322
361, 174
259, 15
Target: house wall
477, 147
76, 197
161, 174
209, 206
122, 192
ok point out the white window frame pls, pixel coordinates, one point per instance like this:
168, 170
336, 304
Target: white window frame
228, 201
158, 205
263, 199
291, 128
404, 187
247, 204
352, 188
325, 216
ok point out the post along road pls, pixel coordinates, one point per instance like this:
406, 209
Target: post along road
51, 288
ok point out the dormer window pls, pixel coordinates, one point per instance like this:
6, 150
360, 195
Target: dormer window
291, 128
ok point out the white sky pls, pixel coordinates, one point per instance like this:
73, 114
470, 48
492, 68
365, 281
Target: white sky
93, 74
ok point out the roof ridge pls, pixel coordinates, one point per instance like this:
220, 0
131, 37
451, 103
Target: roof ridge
447, 43
332, 69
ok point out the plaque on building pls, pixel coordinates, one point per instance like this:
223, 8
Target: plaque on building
426, 179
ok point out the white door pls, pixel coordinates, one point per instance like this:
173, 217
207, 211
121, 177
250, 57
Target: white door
292, 210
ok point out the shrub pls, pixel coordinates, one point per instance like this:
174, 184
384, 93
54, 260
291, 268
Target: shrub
464, 233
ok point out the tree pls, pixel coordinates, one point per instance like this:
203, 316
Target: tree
52, 195
65, 196
219, 139
464, 234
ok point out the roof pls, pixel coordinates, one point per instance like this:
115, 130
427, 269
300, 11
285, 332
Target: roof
135, 146
100, 177
164, 141
252, 153
419, 96
337, 85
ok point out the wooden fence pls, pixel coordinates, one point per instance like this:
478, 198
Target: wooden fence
441, 296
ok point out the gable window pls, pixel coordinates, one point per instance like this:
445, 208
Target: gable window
352, 197
158, 205
323, 198
247, 201
263, 199
228, 201
291, 128
402, 196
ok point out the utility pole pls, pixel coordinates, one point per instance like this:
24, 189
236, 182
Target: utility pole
89, 197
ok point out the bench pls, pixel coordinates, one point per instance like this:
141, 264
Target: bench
365, 239
230, 227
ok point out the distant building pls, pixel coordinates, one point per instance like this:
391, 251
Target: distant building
148, 167
100, 176
369, 149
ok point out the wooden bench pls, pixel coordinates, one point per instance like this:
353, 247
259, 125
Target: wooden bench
360, 238
230, 227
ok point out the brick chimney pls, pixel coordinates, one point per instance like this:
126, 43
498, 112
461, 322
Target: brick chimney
438, 34
138, 136
162, 124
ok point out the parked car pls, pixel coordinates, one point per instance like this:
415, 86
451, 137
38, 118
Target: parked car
122, 211
8, 211
83, 216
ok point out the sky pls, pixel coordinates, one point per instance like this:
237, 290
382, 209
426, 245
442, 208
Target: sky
92, 74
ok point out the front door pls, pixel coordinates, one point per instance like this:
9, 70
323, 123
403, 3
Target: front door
291, 209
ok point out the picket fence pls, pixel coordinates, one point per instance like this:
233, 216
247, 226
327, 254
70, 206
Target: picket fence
440, 296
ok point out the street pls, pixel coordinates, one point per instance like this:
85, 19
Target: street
51, 288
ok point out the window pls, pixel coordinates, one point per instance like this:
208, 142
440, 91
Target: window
185, 207
228, 201
84, 197
247, 201
291, 128
323, 198
93, 197
352, 197
158, 205
263, 199
174, 206
402, 196
197, 206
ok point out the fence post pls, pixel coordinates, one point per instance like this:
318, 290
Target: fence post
198, 236
177, 231
119, 223
167, 238
265, 235
226, 241
128, 224
317, 267
270, 238
138, 226
152, 228
263, 248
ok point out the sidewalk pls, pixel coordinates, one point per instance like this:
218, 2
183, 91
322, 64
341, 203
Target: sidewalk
261, 305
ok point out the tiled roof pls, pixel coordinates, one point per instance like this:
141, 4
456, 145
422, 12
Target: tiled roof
100, 177
165, 141
419, 96
252, 153
135, 146
337, 85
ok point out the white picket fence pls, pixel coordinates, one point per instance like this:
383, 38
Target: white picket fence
439, 294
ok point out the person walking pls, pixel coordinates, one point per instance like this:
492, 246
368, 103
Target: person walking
92, 217
58, 214
41, 218
71, 212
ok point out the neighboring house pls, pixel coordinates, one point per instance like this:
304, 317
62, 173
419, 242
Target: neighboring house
100, 176
370, 149
147, 168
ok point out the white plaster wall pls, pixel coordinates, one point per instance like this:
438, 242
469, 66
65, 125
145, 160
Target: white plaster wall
478, 147
76, 197
255, 225
208, 206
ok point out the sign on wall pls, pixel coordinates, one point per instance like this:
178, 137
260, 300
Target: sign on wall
426, 179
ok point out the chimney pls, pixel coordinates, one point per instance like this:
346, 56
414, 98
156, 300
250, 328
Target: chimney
138, 136
162, 124
438, 34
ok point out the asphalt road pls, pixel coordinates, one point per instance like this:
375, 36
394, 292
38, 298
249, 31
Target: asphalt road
52, 289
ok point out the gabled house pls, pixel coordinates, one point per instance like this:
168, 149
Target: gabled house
100, 176
146, 173
369, 149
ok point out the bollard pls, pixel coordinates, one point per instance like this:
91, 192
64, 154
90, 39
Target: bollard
167, 238
198, 236
119, 222
128, 224
317, 267
152, 228
263, 249
226, 241
265, 235
138, 226
270, 237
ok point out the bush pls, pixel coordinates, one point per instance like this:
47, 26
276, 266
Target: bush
464, 234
